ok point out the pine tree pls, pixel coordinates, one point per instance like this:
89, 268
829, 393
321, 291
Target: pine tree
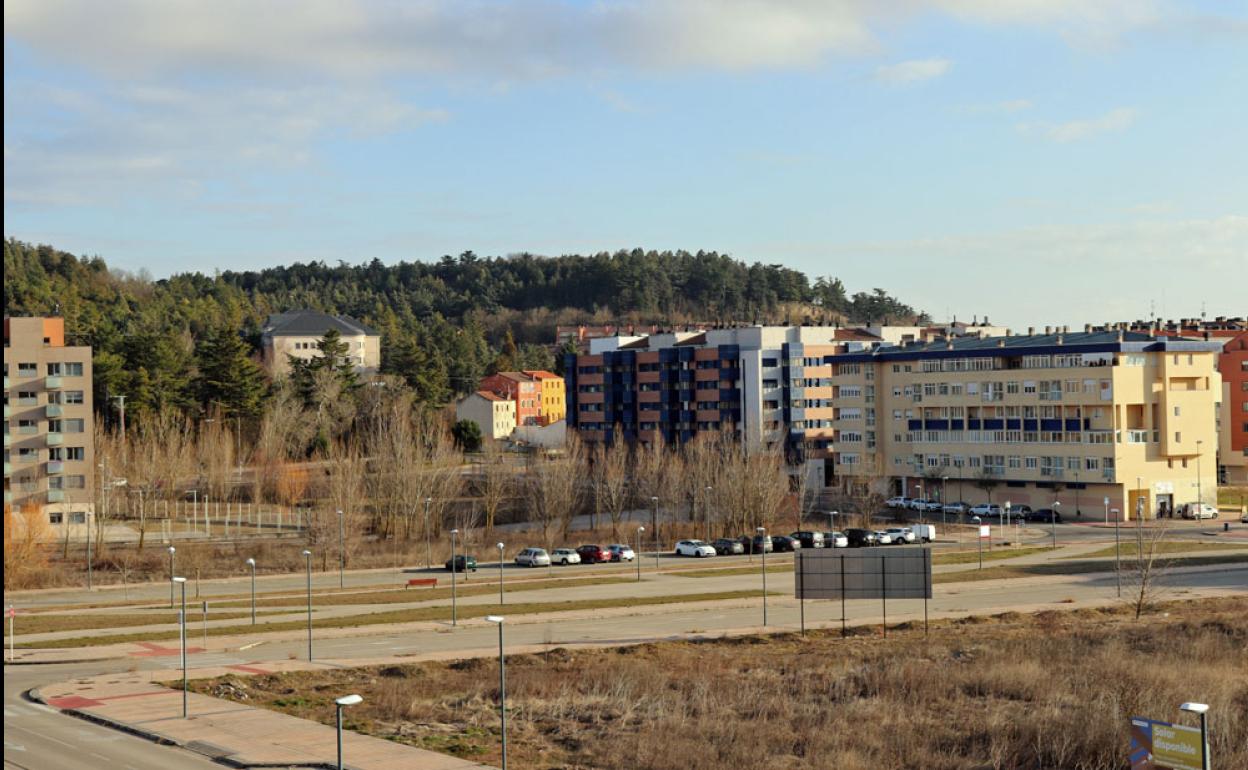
228, 376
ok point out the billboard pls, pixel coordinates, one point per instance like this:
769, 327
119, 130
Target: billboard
863, 573
1163, 746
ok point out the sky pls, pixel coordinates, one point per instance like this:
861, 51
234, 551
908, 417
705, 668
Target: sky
1033, 161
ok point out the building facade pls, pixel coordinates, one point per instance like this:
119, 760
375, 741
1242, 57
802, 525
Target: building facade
1080, 419
493, 414
552, 398
298, 334
520, 388
49, 428
1233, 427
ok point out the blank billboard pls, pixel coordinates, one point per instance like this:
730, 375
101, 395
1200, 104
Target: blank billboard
863, 573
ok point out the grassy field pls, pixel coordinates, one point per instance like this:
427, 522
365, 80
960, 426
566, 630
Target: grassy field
1073, 567
42, 624
441, 613
1051, 690
955, 557
1164, 547
1233, 496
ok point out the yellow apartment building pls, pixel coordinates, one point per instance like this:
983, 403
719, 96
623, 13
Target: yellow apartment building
553, 396
1076, 418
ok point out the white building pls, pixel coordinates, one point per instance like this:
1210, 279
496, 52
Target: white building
298, 333
493, 414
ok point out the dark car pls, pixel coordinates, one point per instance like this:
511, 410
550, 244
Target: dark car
726, 546
462, 563
860, 538
757, 544
593, 554
1045, 515
785, 543
809, 539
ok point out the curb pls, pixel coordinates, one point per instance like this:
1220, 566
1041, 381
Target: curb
55, 662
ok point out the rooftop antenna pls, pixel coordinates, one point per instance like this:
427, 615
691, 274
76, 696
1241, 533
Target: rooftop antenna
1202, 310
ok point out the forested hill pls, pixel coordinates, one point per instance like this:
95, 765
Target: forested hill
443, 323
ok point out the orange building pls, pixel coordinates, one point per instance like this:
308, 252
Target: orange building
552, 394
520, 388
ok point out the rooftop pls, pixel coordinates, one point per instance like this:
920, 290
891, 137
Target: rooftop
308, 323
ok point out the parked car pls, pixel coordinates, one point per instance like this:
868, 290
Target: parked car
809, 539
916, 504
901, 535
883, 538
860, 538
462, 563
757, 544
1200, 511
898, 502
1243, 518
565, 556
695, 548
726, 546
593, 554
923, 532
785, 543
1046, 516
931, 506
533, 557
1019, 511
986, 509
835, 540
621, 552
957, 508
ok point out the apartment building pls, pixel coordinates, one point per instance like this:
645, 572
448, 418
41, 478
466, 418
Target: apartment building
298, 334
49, 431
493, 414
1075, 418
539, 395
552, 397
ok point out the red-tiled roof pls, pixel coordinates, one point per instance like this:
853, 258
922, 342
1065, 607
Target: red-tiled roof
541, 374
488, 396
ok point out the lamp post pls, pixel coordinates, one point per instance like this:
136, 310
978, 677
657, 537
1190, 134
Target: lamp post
1057, 507
1203, 710
172, 551
944, 482
182, 639
762, 534
454, 569
1005, 520
342, 551
428, 542
919, 496
654, 522
307, 560
502, 685
339, 704
1200, 495
706, 512
637, 557
1117, 553
252, 563
500, 547
979, 540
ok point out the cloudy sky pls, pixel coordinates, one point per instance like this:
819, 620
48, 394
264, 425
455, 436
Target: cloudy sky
1037, 161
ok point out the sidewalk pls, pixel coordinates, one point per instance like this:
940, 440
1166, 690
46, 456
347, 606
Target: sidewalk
228, 732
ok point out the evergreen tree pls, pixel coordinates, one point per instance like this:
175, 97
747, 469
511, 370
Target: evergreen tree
228, 375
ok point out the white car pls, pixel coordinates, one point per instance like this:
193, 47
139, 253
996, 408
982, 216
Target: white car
835, 540
883, 538
898, 502
1200, 511
901, 535
931, 505
916, 504
621, 552
986, 509
565, 556
694, 548
954, 507
533, 557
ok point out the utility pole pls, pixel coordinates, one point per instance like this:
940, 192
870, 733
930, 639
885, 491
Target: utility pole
121, 407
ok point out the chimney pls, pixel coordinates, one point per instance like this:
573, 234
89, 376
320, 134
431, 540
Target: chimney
1031, 331
1048, 330
1087, 328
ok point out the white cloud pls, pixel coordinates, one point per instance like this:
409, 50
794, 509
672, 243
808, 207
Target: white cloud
913, 71
1114, 121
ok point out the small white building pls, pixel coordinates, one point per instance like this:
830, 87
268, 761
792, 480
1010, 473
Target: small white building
298, 333
495, 415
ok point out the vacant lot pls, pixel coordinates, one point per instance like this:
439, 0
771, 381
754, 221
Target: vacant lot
1053, 690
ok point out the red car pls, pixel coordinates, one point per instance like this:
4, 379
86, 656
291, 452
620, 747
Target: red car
593, 554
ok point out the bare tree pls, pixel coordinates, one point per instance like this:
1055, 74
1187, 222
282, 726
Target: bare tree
215, 453
345, 492
552, 488
611, 482
1144, 572
283, 434
492, 482
155, 461
765, 486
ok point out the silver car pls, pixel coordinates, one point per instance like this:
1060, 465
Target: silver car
533, 557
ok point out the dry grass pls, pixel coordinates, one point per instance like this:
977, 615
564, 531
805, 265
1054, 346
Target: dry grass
1073, 567
45, 623
1165, 546
1052, 690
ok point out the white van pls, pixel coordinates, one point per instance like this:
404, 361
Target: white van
924, 533
1200, 511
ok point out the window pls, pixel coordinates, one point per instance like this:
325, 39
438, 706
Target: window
77, 517
76, 425
73, 369
1178, 437
770, 362
56, 517
76, 453
1177, 411
27, 370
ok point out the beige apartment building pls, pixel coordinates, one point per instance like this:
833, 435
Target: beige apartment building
298, 334
49, 432
495, 415
1075, 418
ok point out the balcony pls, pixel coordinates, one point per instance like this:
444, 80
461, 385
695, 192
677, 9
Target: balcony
56, 439
54, 410
8, 469
8, 441
27, 430
55, 466
52, 382
8, 411
56, 495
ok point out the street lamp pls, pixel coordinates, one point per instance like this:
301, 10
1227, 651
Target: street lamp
172, 551
1200, 495
340, 703
762, 547
454, 569
637, 556
342, 551
307, 560
979, 540
1057, 507
500, 546
1203, 710
706, 512
1004, 520
428, 542
919, 496
252, 563
1117, 553
182, 639
502, 685
655, 523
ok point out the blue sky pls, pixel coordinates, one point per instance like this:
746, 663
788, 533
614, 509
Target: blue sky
1036, 161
